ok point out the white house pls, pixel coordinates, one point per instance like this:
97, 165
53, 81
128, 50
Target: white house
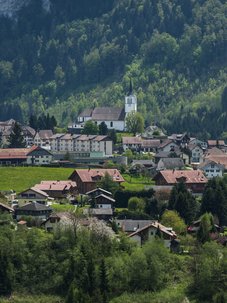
212, 169
168, 146
196, 154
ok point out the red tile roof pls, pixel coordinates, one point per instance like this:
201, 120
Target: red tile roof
219, 159
55, 185
88, 175
16, 153
131, 140
215, 142
191, 176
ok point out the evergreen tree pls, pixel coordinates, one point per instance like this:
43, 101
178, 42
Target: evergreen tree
90, 128
205, 228
104, 284
103, 130
5, 276
16, 139
108, 184
113, 135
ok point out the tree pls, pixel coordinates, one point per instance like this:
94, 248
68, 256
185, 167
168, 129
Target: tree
90, 128
224, 99
16, 138
103, 130
108, 184
205, 228
172, 219
182, 201
136, 204
113, 135
214, 199
134, 123
5, 275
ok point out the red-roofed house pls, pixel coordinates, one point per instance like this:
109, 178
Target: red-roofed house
58, 189
194, 179
86, 179
33, 156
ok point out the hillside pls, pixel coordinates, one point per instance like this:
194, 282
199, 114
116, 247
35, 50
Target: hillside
79, 53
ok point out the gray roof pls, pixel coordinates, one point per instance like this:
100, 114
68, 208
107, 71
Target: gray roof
98, 211
170, 163
97, 190
130, 225
45, 133
34, 206
143, 163
104, 114
163, 154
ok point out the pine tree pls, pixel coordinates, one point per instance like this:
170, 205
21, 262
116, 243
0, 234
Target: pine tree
103, 130
16, 139
5, 276
104, 285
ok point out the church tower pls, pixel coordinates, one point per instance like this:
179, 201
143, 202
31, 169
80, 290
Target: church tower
130, 100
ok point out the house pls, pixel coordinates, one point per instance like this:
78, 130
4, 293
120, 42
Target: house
87, 179
168, 146
6, 128
129, 226
195, 141
151, 232
176, 154
42, 138
180, 139
33, 194
218, 156
193, 179
212, 169
58, 189
151, 145
196, 153
132, 143
5, 208
170, 163
33, 209
216, 143
39, 156
114, 117
98, 191
153, 131
31, 156
63, 220
105, 214
139, 166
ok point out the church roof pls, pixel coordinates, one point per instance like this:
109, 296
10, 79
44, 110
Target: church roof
104, 114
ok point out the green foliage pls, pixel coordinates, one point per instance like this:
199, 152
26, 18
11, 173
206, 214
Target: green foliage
182, 201
122, 196
103, 130
108, 184
90, 128
205, 228
136, 204
172, 219
214, 199
16, 138
135, 123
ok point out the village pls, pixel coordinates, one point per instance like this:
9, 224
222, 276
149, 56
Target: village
103, 183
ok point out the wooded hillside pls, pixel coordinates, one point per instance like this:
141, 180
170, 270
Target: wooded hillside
83, 52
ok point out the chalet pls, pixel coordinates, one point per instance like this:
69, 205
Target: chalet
180, 139
87, 179
212, 169
218, 156
168, 146
139, 166
132, 143
176, 154
151, 231
98, 191
105, 214
31, 156
33, 209
39, 156
129, 226
193, 179
32, 194
58, 189
170, 163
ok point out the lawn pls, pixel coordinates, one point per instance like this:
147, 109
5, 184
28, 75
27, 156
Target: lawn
136, 183
21, 178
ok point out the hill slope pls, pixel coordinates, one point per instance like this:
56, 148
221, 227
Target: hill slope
83, 52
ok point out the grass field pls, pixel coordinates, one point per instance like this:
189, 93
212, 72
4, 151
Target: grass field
136, 183
21, 178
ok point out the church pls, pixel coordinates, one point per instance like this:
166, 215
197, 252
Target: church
114, 117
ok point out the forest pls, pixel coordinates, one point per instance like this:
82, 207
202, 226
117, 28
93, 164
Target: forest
80, 53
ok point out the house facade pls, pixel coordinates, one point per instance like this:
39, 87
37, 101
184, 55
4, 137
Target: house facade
84, 144
39, 156
194, 180
33, 209
32, 194
87, 179
212, 169
151, 232
196, 154
42, 138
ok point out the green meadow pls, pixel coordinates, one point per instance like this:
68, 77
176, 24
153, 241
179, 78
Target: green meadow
21, 178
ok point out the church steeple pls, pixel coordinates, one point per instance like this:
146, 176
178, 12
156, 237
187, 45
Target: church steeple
130, 87
130, 100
